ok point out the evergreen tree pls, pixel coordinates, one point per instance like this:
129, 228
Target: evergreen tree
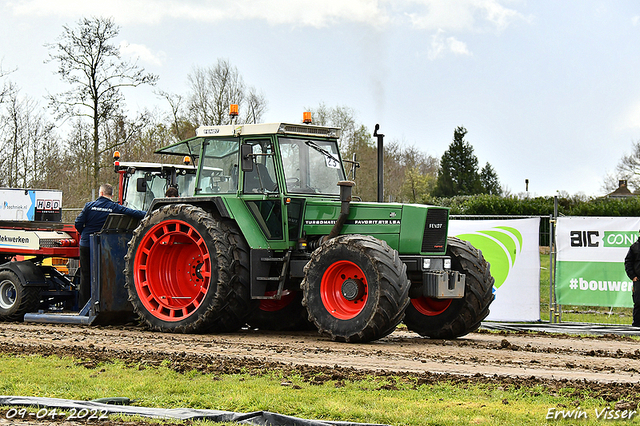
489, 180
458, 174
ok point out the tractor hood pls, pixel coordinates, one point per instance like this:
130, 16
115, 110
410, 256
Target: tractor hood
408, 228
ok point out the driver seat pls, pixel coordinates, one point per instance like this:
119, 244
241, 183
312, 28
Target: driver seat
252, 179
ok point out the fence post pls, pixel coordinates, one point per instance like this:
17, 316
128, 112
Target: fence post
555, 313
551, 263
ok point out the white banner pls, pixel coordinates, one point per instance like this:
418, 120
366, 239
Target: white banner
511, 247
19, 239
30, 204
590, 263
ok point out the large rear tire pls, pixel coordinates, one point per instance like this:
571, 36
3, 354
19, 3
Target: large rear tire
355, 288
186, 271
451, 318
16, 299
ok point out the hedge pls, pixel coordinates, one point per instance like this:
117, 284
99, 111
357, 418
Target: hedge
539, 206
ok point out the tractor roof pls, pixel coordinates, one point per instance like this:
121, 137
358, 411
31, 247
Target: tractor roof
152, 166
268, 129
192, 146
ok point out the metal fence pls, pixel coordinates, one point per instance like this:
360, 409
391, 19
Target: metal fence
550, 311
69, 214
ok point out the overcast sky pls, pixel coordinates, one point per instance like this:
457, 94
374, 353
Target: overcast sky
548, 90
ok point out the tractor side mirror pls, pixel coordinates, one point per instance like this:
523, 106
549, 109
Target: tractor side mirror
246, 157
141, 184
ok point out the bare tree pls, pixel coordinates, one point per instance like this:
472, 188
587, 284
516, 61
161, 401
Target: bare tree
214, 88
628, 169
92, 65
77, 180
181, 127
7, 86
343, 117
256, 106
25, 137
409, 175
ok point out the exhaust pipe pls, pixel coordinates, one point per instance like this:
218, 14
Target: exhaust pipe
346, 187
380, 137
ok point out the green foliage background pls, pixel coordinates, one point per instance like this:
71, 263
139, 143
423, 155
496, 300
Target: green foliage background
538, 206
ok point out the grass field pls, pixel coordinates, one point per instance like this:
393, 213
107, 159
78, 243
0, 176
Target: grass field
373, 400
401, 401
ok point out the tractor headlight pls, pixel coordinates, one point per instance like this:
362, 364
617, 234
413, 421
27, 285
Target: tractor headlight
447, 264
426, 263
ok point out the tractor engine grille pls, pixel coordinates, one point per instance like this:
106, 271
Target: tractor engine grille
435, 231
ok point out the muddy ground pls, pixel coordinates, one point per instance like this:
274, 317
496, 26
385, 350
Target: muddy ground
609, 366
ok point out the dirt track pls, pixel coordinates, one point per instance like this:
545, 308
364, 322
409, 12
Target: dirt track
604, 360
608, 366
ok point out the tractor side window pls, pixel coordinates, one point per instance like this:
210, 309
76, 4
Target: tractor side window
263, 176
133, 198
219, 167
186, 183
140, 195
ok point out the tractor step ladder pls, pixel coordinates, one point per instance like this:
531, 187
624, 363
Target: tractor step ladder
281, 278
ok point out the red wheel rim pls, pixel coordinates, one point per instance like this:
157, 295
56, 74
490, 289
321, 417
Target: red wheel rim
172, 270
331, 290
430, 306
273, 305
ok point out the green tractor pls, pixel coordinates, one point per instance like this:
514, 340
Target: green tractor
270, 236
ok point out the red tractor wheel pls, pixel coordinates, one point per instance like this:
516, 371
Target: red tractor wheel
284, 314
451, 318
185, 271
274, 305
343, 289
355, 288
430, 306
172, 270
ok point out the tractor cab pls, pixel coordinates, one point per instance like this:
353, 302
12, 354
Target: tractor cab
272, 169
264, 159
141, 183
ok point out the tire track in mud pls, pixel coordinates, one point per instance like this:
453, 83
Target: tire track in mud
519, 359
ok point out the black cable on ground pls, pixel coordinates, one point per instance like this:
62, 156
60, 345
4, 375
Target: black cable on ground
564, 327
98, 409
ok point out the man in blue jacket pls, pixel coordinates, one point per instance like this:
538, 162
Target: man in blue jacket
89, 221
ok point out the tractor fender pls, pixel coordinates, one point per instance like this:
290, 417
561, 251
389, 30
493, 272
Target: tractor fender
29, 273
208, 203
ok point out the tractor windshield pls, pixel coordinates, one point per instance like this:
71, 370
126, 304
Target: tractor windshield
311, 166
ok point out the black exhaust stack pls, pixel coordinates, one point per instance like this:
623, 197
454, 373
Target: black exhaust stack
380, 163
346, 187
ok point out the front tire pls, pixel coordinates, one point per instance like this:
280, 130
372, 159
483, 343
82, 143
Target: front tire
355, 288
16, 299
186, 271
451, 318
